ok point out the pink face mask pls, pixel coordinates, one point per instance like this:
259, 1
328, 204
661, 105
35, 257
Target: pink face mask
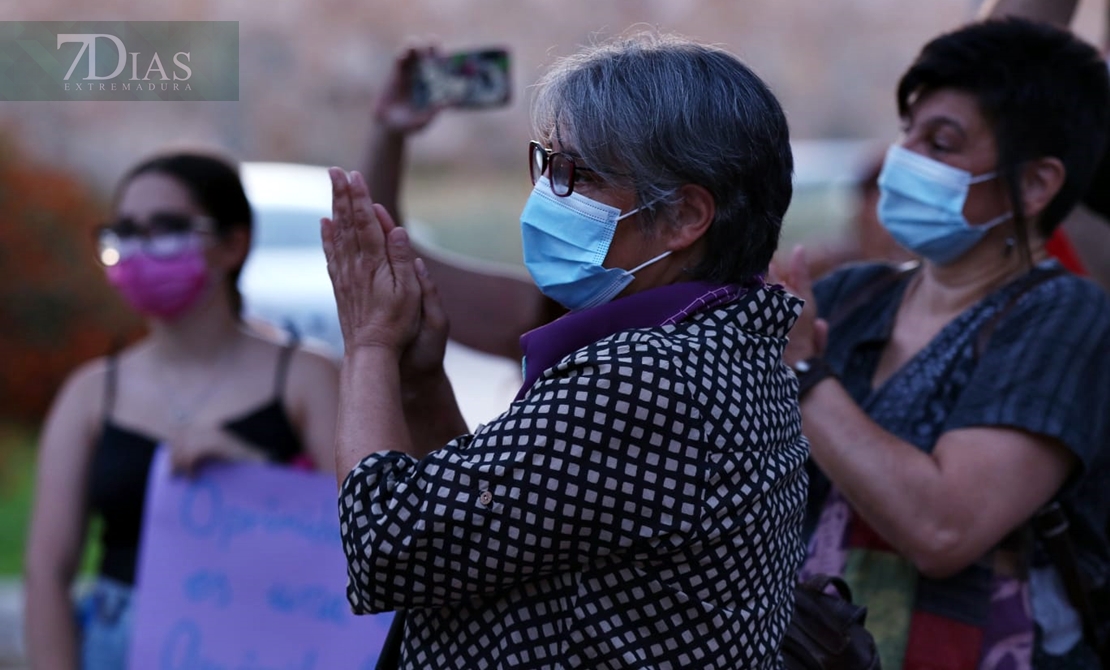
161, 287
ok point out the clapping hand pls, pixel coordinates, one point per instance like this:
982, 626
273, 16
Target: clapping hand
424, 355
394, 329
372, 268
810, 333
384, 294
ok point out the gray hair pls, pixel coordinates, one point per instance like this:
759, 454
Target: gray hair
654, 112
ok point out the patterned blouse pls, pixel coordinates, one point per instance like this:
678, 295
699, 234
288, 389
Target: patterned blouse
639, 506
1033, 356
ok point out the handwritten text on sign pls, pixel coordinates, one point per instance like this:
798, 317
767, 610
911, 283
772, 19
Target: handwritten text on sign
242, 569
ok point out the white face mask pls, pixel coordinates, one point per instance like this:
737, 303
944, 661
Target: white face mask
566, 239
921, 204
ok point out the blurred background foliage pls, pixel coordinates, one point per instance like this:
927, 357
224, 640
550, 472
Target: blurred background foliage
56, 310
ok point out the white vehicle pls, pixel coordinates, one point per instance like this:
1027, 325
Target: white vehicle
285, 282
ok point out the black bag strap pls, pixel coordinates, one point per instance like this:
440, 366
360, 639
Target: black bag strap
866, 294
1049, 522
111, 375
1025, 283
871, 291
1051, 525
821, 583
281, 371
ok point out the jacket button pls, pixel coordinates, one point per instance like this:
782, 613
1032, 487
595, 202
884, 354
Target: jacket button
486, 497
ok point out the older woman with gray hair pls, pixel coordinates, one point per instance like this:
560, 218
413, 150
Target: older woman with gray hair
639, 504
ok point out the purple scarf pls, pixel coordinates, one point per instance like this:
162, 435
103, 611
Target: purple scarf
547, 345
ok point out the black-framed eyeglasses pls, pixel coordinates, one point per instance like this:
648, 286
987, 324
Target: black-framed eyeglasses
163, 234
563, 168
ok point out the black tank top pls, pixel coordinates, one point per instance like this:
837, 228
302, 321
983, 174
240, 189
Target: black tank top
121, 464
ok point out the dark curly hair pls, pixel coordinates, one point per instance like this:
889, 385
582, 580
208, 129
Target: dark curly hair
1044, 92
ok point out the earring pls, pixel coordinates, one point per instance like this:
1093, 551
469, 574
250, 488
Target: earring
1010, 244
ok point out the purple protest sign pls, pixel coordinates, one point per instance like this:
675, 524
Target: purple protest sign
242, 567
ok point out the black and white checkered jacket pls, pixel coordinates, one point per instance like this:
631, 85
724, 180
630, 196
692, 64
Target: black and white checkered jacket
640, 507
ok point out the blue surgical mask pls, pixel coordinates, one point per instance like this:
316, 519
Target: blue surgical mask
565, 242
921, 204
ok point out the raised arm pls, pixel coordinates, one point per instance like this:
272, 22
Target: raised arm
1057, 12
394, 119
489, 307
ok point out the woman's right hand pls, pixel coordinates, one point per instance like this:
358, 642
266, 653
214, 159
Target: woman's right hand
372, 268
394, 108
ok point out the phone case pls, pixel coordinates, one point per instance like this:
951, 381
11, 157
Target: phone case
466, 79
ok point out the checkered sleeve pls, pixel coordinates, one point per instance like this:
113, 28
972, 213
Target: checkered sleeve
604, 455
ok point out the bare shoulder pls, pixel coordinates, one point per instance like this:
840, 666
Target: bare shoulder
313, 362
85, 386
312, 388
78, 407
91, 373
308, 359
319, 351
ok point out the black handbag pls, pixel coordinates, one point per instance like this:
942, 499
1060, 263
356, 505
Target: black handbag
827, 631
1092, 603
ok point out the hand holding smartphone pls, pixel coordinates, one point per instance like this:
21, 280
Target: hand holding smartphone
475, 79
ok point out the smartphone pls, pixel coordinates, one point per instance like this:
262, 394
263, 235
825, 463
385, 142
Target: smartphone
474, 79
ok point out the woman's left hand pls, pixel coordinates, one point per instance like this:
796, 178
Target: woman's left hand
371, 265
424, 356
808, 336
